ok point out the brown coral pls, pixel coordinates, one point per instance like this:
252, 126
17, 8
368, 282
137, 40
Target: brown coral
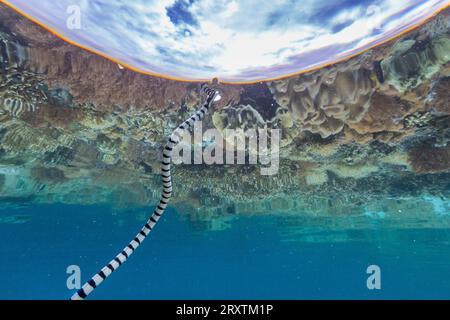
324, 101
385, 114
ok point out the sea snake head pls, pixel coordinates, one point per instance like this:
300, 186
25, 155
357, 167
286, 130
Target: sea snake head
211, 95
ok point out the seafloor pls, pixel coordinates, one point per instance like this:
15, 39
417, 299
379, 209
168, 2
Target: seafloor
365, 137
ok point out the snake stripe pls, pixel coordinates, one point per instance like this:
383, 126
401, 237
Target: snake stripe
119, 259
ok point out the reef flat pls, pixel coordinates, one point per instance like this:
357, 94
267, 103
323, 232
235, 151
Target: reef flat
368, 136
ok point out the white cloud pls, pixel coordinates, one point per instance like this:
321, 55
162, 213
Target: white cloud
228, 37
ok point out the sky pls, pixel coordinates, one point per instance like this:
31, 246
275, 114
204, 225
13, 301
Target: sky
235, 41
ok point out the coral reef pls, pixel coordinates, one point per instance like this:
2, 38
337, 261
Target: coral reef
76, 128
324, 101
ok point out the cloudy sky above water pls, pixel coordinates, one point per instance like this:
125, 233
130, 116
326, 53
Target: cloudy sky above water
245, 40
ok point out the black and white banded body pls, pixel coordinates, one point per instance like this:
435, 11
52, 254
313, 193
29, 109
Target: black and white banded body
105, 272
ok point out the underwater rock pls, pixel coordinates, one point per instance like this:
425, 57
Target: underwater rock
429, 159
60, 116
45, 175
440, 97
86, 154
384, 114
411, 62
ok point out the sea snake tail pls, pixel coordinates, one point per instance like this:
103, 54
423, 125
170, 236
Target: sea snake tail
174, 139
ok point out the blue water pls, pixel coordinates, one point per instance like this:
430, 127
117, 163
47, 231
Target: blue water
250, 260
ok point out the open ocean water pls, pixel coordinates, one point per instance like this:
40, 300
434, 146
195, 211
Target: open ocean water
257, 257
